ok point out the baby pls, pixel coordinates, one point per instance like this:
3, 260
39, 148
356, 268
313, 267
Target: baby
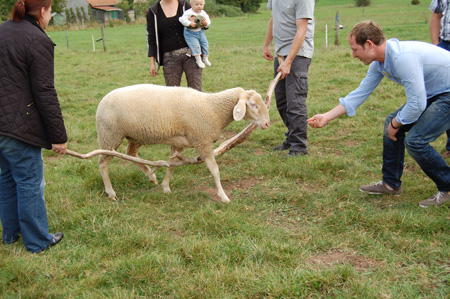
195, 21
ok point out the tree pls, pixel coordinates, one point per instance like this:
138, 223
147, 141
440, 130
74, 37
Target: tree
79, 17
359, 3
72, 17
83, 13
59, 5
6, 7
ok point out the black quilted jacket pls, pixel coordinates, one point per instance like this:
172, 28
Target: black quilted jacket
29, 106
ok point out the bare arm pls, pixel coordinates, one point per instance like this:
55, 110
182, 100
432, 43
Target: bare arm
153, 71
285, 67
435, 27
320, 120
269, 37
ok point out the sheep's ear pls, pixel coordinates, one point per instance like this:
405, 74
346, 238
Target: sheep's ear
239, 110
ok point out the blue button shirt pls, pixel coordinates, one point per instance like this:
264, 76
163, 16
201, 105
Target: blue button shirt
421, 68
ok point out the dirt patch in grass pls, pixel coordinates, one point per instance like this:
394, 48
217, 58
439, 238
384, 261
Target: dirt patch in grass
339, 257
241, 185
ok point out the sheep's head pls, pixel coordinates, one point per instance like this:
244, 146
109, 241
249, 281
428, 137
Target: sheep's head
252, 108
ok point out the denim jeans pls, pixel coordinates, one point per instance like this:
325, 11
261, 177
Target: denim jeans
434, 121
290, 95
445, 45
22, 202
196, 41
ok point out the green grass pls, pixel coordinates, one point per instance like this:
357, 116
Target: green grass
296, 228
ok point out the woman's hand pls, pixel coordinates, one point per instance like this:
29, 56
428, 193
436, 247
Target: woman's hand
60, 148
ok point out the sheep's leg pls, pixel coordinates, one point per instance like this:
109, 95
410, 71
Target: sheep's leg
174, 152
103, 163
214, 169
132, 150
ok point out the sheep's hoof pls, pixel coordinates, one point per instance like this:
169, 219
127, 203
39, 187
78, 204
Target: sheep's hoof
224, 199
114, 198
167, 190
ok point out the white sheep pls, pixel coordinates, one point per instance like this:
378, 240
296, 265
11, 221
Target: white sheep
178, 116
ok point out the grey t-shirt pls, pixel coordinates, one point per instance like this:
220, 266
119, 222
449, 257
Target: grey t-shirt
285, 14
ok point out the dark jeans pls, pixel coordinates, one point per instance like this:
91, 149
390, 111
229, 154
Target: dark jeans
290, 94
434, 121
445, 45
22, 202
177, 62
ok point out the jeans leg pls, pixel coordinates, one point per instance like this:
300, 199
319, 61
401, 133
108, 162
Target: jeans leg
446, 45
8, 201
27, 170
192, 39
393, 153
204, 43
433, 122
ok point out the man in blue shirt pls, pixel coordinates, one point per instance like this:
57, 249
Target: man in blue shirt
424, 71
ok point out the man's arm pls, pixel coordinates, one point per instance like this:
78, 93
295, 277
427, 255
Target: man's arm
269, 37
285, 67
435, 27
320, 120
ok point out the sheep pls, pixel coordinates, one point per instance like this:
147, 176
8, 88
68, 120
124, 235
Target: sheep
178, 116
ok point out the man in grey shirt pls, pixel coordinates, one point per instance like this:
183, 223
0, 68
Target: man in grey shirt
291, 26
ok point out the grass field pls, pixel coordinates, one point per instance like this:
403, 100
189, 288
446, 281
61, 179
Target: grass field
295, 228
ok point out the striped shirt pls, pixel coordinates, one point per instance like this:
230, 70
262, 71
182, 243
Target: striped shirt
442, 7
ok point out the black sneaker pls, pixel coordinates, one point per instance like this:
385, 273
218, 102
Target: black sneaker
282, 147
293, 154
57, 237
380, 188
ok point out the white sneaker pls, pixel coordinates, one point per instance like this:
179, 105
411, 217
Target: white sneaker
206, 61
200, 64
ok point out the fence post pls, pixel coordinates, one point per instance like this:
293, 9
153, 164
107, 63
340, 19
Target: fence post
103, 38
338, 27
67, 38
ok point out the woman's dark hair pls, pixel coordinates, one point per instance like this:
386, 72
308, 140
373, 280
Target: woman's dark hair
31, 7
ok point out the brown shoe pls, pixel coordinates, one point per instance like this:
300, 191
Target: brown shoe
380, 188
435, 200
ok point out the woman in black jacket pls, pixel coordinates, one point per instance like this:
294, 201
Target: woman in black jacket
30, 119
167, 46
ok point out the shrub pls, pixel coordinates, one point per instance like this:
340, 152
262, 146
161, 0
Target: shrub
247, 6
415, 2
362, 3
219, 10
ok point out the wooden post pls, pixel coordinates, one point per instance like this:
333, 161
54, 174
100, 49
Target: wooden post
103, 38
93, 42
337, 42
326, 36
67, 38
